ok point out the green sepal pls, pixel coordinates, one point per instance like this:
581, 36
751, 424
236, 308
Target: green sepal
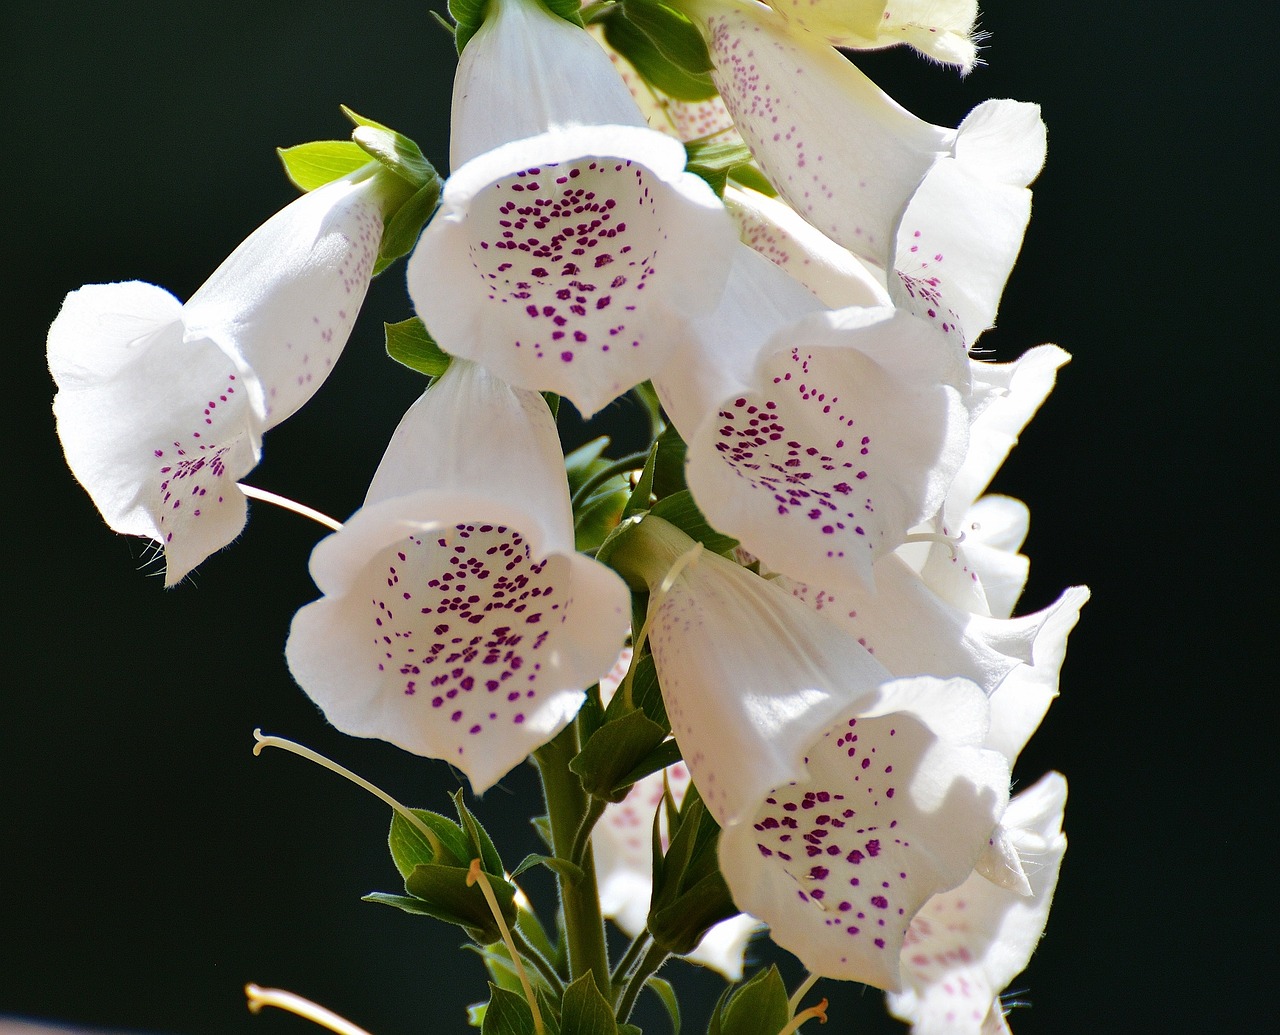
654, 66
394, 150
665, 754
469, 16
758, 1006
668, 470
750, 176
716, 162
673, 32
411, 848
506, 1013
480, 844
584, 1011
410, 344
312, 165
663, 990
401, 231
639, 500
680, 510
561, 867
689, 893
618, 747
443, 892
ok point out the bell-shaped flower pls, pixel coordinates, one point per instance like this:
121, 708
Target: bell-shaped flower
872, 176
458, 621
622, 846
846, 798
939, 29
845, 432
983, 572
161, 406
968, 943
570, 247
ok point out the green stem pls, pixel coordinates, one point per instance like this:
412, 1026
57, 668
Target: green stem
582, 837
653, 960
622, 466
567, 805
530, 954
638, 946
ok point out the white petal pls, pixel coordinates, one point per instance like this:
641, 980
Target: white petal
963, 227
282, 305
897, 805
157, 429
984, 574
777, 232
526, 71
967, 944
451, 623
843, 153
571, 262
849, 437
750, 677
1020, 702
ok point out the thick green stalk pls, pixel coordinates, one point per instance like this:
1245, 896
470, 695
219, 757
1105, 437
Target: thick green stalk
567, 805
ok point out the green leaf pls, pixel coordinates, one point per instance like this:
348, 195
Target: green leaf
561, 867
680, 510
662, 988
672, 32
402, 229
639, 501
481, 844
613, 751
410, 344
655, 67
584, 461
750, 176
584, 1011
715, 162
756, 1007
668, 470
665, 754
507, 1014
394, 150
410, 847
312, 165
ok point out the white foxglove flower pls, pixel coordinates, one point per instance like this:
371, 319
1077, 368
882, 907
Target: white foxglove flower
968, 943
622, 846
570, 247
872, 176
846, 798
161, 406
984, 573
845, 434
458, 621
939, 29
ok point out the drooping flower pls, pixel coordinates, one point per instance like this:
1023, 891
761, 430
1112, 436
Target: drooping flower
846, 797
458, 621
845, 433
968, 943
983, 572
161, 406
939, 29
944, 209
571, 247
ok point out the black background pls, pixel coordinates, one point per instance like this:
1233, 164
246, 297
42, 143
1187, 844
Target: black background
150, 866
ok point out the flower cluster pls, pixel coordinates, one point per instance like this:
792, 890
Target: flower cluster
823, 690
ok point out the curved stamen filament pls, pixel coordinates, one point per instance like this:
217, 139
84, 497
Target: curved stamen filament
284, 503
949, 541
475, 875
296, 1004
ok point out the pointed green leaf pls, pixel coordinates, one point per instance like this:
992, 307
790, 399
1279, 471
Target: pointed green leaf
410, 847
394, 150
312, 165
668, 470
613, 751
680, 510
584, 1011
655, 67
561, 867
507, 1014
402, 229
756, 1007
410, 344
445, 894
662, 988
481, 843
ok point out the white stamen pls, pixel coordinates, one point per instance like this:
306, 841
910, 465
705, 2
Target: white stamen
279, 998
284, 503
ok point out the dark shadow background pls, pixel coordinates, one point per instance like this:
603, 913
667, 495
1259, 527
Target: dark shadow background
150, 866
